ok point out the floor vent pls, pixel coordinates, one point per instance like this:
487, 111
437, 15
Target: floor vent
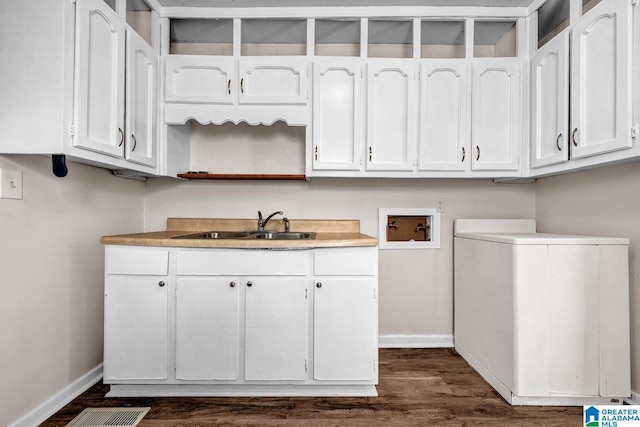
98, 417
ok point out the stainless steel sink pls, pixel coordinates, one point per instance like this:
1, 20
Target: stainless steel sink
267, 235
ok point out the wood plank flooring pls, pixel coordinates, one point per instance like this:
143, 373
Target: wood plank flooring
418, 387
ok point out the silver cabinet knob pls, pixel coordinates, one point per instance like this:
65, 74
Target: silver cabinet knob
249, 284
232, 284
319, 285
161, 284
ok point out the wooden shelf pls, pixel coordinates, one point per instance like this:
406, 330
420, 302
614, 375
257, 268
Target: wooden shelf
256, 177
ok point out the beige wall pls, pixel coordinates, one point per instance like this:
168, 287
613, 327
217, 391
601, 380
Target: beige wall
606, 202
415, 286
52, 268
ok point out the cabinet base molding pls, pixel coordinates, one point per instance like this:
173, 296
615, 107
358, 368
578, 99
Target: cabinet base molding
415, 341
195, 390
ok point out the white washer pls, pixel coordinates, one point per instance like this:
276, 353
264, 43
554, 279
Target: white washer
544, 318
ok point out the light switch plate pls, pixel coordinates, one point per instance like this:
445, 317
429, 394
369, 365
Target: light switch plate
10, 184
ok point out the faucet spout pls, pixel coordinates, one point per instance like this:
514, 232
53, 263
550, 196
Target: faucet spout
262, 223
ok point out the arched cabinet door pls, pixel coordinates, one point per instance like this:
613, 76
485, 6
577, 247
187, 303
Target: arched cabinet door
337, 116
100, 74
496, 132
550, 103
391, 110
601, 71
444, 111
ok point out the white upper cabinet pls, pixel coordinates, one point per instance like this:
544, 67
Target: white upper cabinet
496, 114
444, 110
200, 79
100, 79
550, 103
391, 95
337, 112
263, 82
141, 95
601, 71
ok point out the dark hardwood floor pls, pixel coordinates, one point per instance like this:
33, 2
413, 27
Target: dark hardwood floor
418, 387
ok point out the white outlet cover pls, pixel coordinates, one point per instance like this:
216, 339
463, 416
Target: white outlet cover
10, 184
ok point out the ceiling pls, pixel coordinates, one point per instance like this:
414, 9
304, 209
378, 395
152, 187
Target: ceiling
293, 3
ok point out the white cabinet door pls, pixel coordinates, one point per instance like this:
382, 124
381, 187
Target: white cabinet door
141, 126
390, 116
207, 328
100, 56
273, 81
136, 328
550, 103
276, 328
345, 344
337, 112
444, 111
496, 114
601, 71
200, 79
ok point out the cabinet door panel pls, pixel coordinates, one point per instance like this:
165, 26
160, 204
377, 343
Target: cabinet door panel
337, 116
345, 330
276, 329
136, 328
200, 79
496, 114
141, 101
99, 103
601, 77
390, 112
273, 82
444, 100
550, 103
207, 328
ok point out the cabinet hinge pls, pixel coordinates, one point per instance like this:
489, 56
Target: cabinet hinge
374, 294
72, 129
306, 293
375, 365
634, 2
306, 365
635, 129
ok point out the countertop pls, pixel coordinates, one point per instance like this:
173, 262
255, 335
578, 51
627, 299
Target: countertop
329, 233
543, 238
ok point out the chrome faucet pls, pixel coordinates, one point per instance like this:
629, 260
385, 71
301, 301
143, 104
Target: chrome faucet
262, 223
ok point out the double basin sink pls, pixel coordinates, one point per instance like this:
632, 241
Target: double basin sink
250, 235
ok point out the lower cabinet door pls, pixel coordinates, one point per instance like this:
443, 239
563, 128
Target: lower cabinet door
345, 345
207, 328
276, 328
136, 328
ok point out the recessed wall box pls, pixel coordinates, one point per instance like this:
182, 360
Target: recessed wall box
410, 228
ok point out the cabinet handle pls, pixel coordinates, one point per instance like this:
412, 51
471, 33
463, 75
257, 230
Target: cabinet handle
229, 86
134, 142
161, 284
232, 284
464, 154
477, 153
249, 284
316, 153
558, 142
319, 285
573, 137
121, 137
370, 153
242, 85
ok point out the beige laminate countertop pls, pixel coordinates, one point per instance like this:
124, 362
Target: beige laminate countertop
329, 233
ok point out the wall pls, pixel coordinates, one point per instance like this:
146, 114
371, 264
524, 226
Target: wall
416, 286
52, 268
606, 202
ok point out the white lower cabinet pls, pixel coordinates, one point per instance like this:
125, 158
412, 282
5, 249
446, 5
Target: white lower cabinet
276, 329
207, 328
224, 322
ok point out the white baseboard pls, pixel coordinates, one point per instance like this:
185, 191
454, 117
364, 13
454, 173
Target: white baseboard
634, 399
415, 341
52, 405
